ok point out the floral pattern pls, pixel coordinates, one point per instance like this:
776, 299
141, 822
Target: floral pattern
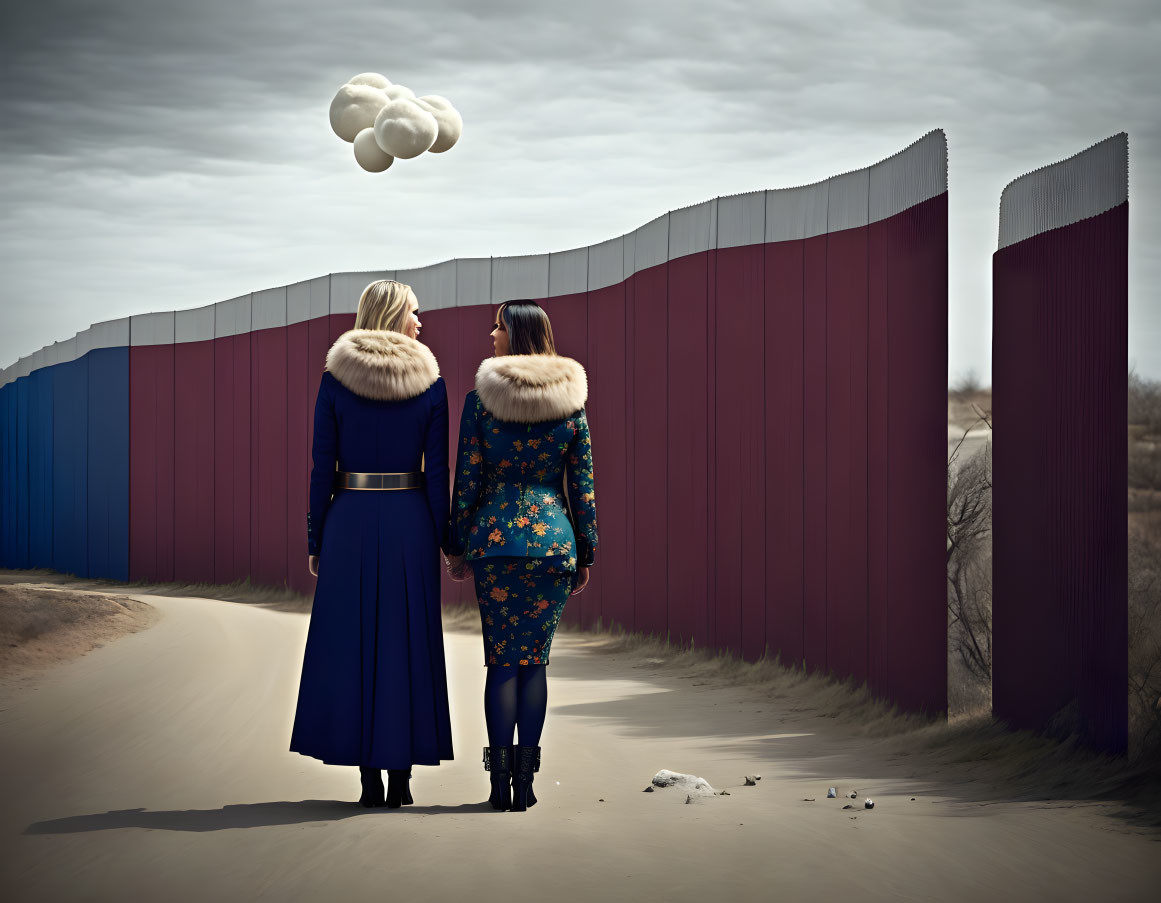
524, 489
521, 601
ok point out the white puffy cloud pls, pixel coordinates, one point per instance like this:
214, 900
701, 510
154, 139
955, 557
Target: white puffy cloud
368, 154
373, 79
404, 129
354, 108
451, 123
385, 120
399, 92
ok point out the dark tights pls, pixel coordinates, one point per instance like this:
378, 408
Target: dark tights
515, 697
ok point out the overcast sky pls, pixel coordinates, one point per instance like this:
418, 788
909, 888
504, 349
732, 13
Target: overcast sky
166, 155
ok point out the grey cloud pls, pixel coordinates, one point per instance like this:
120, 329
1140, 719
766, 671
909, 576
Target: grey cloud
188, 145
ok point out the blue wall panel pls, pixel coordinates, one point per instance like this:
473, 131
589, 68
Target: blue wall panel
70, 395
40, 469
108, 463
7, 484
20, 550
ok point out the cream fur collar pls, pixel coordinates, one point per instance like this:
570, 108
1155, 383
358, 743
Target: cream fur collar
531, 388
382, 365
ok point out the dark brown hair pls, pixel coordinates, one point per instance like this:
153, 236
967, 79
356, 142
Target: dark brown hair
528, 327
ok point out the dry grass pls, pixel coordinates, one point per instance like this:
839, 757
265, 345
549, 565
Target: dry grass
44, 625
964, 406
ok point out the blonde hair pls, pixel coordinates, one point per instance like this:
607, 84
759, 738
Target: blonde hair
384, 304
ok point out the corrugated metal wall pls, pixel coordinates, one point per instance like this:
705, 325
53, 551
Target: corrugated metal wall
767, 376
1060, 471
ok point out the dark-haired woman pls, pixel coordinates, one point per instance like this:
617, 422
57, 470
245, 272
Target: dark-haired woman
524, 521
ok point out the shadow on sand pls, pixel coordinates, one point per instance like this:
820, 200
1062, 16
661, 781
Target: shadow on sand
244, 815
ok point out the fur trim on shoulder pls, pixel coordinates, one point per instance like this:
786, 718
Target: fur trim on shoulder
382, 365
531, 388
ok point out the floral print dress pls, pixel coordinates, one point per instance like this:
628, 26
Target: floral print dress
524, 515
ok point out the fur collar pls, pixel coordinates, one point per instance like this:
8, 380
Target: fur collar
531, 388
382, 365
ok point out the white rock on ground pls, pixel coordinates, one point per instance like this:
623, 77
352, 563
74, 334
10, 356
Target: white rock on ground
690, 783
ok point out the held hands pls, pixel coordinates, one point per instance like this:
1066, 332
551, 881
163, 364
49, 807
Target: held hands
457, 568
582, 580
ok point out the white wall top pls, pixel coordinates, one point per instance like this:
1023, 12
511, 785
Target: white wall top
651, 244
847, 201
568, 272
320, 296
269, 308
347, 288
1085, 185
84, 341
742, 220
1082, 186
607, 263
916, 174
519, 277
434, 286
298, 302
694, 229
796, 213
195, 325
473, 281
110, 334
233, 317
152, 329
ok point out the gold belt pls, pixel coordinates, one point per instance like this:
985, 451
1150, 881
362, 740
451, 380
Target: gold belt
345, 480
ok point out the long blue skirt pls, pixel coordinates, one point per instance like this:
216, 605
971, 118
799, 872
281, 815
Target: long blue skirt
374, 686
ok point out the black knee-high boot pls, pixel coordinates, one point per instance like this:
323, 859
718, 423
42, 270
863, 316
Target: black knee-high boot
527, 763
498, 761
398, 788
372, 780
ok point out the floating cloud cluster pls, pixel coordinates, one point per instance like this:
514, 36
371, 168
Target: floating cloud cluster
384, 121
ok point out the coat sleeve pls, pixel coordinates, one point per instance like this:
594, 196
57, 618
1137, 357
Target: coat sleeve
469, 475
324, 453
435, 464
580, 485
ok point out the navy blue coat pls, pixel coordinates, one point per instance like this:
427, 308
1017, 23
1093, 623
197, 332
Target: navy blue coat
374, 688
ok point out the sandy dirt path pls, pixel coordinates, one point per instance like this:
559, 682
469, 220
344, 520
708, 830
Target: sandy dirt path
157, 768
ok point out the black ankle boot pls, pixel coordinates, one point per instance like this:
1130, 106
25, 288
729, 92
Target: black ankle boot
527, 762
372, 780
498, 761
398, 788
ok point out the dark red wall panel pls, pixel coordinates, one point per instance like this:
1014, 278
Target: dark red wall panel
302, 376
608, 423
846, 452
193, 450
687, 498
650, 482
878, 426
917, 456
748, 299
1059, 503
814, 422
232, 441
151, 462
268, 409
784, 425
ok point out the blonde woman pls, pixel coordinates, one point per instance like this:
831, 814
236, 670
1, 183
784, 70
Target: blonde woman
373, 691
525, 522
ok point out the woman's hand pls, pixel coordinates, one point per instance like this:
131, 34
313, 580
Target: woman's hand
582, 580
312, 565
457, 568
